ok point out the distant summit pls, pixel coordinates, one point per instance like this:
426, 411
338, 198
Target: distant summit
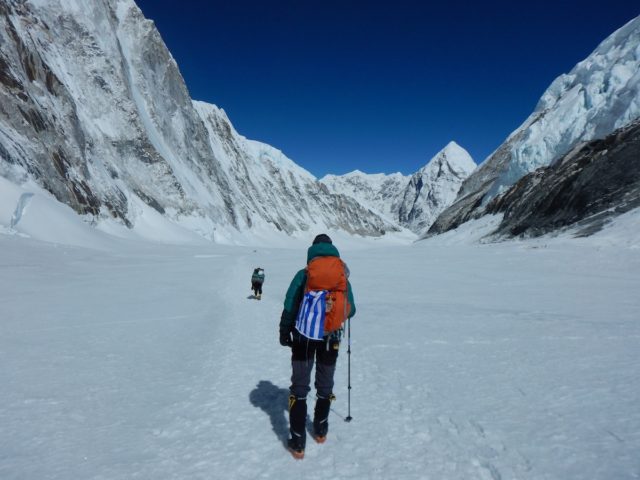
412, 201
434, 187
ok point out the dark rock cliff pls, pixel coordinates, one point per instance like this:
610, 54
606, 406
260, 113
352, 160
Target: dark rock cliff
583, 189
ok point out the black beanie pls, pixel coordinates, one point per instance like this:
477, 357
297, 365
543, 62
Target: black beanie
322, 238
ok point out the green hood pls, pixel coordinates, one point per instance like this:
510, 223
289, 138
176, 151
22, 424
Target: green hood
322, 250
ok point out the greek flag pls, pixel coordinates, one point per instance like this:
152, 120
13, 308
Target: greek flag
310, 322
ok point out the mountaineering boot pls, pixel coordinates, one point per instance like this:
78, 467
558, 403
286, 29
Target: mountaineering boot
259, 296
297, 419
295, 448
321, 418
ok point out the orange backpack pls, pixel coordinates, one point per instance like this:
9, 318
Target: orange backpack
329, 274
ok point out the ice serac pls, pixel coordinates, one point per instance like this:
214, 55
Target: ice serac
412, 201
583, 190
95, 110
600, 95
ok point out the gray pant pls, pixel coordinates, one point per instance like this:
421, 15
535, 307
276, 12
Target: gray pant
304, 353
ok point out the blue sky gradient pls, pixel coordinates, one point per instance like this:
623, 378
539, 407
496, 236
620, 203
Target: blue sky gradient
378, 86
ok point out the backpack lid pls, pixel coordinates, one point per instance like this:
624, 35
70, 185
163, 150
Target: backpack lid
322, 250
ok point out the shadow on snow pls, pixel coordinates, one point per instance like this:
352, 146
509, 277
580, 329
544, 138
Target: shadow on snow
273, 401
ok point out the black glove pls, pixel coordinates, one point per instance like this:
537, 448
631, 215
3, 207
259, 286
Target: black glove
285, 338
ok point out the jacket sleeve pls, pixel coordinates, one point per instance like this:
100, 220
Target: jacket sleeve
352, 312
292, 301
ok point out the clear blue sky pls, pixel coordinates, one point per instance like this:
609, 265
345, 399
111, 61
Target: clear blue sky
340, 85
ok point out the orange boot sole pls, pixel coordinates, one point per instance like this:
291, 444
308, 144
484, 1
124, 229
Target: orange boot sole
298, 455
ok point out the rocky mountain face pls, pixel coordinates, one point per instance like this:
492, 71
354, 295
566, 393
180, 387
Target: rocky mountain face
600, 95
412, 201
273, 188
93, 108
378, 191
584, 189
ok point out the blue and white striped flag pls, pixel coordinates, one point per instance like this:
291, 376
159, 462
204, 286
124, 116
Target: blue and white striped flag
310, 322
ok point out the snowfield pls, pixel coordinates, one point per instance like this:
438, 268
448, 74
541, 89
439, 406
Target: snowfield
125, 358
516, 360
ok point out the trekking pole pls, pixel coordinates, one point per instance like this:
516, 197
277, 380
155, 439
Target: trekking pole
349, 417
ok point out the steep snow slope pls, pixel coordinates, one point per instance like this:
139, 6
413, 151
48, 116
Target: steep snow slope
600, 94
94, 109
276, 190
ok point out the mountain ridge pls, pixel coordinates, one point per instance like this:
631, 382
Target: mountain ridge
413, 201
96, 111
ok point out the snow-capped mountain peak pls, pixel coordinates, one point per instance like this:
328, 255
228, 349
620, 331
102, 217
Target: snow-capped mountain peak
434, 187
452, 158
413, 201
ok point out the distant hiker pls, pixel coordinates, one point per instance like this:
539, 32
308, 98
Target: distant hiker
257, 279
318, 302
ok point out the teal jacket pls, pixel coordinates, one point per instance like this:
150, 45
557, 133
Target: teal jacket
296, 288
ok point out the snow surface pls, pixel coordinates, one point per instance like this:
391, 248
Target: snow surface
39, 216
516, 360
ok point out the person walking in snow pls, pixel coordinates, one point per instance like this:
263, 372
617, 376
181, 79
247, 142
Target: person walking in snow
317, 303
257, 279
